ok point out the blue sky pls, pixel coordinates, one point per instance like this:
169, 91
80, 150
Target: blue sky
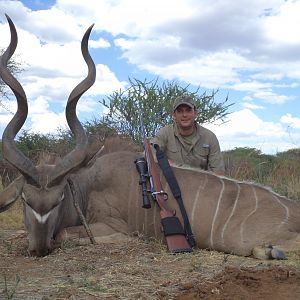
248, 50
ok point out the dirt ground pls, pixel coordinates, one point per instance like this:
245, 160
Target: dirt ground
138, 268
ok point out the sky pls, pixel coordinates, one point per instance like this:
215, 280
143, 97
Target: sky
248, 50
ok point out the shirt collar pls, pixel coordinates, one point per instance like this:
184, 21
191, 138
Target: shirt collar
176, 130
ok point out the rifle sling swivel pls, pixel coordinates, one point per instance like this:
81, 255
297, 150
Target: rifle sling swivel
164, 194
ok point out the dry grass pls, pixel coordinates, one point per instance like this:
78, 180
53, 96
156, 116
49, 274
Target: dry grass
12, 218
281, 173
137, 268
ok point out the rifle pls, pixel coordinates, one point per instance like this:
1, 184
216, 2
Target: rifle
172, 228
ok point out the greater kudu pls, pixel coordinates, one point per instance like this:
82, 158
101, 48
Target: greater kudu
43, 188
225, 215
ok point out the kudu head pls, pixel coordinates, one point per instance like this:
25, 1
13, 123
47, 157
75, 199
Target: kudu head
43, 188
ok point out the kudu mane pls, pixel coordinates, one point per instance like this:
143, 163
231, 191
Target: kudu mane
256, 184
120, 144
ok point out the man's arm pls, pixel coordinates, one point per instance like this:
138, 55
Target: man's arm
215, 158
161, 139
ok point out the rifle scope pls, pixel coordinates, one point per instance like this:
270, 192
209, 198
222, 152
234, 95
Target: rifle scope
141, 166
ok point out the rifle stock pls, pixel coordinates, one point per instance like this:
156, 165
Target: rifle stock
172, 228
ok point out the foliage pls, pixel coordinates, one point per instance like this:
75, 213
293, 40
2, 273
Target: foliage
98, 130
15, 67
35, 145
30, 143
280, 171
63, 142
146, 106
12, 218
9, 293
248, 163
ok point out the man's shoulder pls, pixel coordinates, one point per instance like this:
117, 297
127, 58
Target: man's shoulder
204, 131
163, 135
167, 129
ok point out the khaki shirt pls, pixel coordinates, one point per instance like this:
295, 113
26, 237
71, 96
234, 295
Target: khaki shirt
202, 151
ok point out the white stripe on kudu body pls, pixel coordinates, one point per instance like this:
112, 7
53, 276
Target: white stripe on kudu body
216, 213
249, 215
232, 211
197, 201
287, 212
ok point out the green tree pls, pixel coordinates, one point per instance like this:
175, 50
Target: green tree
33, 143
98, 130
151, 102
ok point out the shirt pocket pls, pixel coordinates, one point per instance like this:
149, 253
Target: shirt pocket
174, 154
201, 153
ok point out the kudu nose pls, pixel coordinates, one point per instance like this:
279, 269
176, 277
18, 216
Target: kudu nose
43, 250
39, 252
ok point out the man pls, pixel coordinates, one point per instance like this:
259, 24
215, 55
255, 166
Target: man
185, 142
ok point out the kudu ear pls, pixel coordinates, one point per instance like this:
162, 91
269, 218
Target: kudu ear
11, 193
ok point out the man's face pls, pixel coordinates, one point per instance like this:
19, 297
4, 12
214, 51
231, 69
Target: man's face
185, 116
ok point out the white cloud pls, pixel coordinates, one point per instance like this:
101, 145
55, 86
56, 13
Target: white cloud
251, 49
100, 43
7, 106
284, 26
271, 97
212, 54
291, 121
5, 118
134, 18
107, 81
263, 91
252, 106
207, 70
245, 124
47, 122
268, 76
245, 129
54, 66
39, 106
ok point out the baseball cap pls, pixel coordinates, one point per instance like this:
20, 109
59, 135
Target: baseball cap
185, 99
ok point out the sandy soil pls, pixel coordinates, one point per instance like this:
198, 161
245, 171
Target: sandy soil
138, 268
